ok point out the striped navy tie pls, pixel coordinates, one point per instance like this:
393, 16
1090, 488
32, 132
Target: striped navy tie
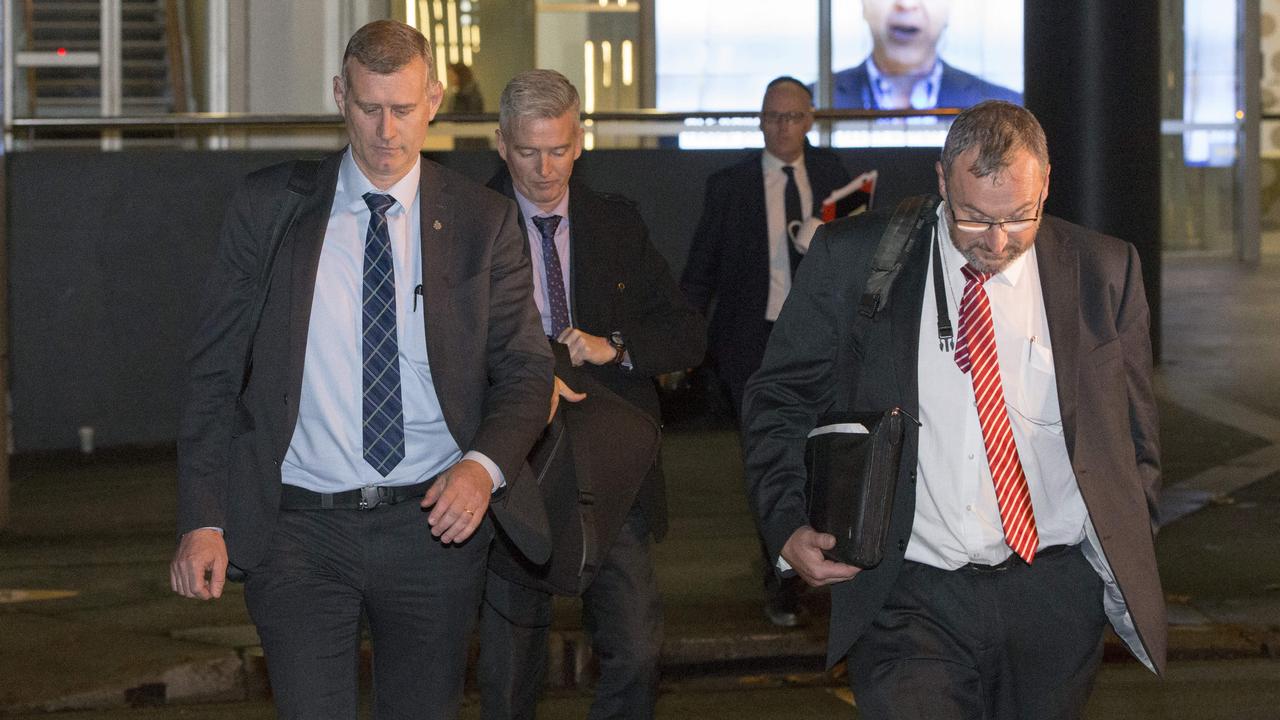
383, 417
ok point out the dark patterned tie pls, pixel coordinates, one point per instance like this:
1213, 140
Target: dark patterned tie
791, 203
557, 301
383, 421
976, 355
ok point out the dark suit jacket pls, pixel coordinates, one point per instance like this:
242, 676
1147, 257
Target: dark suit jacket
729, 258
489, 361
851, 88
1098, 317
620, 282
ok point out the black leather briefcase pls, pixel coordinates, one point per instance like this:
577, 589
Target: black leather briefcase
852, 461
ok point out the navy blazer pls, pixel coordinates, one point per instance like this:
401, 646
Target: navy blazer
729, 258
489, 361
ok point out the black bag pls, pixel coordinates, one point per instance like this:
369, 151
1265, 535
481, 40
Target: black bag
852, 461
589, 464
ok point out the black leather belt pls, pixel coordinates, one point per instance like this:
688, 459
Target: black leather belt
369, 497
1013, 559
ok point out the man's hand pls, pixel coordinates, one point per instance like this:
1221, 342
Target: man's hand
201, 553
561, 390
587, 348
803, 552
461, 497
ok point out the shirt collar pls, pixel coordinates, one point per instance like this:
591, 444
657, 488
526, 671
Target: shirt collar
932, 80
352, 185
953, 260
772, 163
530, 211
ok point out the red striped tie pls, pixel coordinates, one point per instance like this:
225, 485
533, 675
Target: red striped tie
976, 355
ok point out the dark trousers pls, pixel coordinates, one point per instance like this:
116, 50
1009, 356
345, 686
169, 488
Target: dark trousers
621, 611
327, 567
1015, 642
784, 592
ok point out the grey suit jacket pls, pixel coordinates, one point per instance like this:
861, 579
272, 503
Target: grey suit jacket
489, 361
1099, 321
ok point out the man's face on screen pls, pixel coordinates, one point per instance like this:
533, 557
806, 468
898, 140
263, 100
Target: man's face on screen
905, 33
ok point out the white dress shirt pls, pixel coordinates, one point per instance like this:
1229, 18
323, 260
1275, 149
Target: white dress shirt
957, 519
775, 208
326, 452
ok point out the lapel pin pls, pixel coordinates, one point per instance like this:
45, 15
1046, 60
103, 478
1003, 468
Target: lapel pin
436, 225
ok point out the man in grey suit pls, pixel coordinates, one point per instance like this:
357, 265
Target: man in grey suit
396, 381
1023, 515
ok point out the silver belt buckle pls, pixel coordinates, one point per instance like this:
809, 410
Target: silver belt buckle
370, 497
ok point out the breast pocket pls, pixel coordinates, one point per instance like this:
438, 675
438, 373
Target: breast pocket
1037, 399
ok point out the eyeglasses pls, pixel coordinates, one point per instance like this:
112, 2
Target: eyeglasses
780, 118
975, 227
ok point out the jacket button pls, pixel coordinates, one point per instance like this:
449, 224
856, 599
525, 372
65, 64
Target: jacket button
622, 286
913, 476
902, 545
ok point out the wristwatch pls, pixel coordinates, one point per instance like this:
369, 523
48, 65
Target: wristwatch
619, 346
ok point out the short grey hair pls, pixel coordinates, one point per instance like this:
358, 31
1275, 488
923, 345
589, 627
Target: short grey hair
538, 94
385, 46
999, 130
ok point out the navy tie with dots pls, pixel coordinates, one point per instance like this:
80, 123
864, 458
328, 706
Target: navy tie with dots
383, 416
556, 298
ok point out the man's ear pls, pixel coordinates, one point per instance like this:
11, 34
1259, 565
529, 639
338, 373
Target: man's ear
340, 95
502, 144
942, 180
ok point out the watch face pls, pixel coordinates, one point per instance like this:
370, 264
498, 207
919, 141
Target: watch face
615, 339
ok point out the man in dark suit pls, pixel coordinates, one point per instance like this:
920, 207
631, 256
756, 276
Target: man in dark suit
1023, 515
397, 381
903, 69
606, 293
742, 256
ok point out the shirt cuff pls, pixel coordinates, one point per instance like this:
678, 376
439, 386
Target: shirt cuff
209, 527
495, 473
783, 566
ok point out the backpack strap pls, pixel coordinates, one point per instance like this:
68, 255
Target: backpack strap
896, 243
302, 184
899, 238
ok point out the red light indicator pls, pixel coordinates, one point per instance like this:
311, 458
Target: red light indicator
62, 51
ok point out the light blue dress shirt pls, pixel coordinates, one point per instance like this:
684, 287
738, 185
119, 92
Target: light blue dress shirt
326, 452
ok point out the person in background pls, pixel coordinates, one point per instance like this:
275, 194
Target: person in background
742, 257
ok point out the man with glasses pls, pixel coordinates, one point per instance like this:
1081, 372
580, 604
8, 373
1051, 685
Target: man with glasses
742, 255
1023, 515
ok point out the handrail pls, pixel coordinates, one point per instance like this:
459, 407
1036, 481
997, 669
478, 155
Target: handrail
174, 120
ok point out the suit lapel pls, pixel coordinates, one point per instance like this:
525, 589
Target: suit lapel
304, 245
1059, 266
438, 247
756, 217
584, 253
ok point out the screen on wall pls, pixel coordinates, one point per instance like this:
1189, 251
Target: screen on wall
718, 55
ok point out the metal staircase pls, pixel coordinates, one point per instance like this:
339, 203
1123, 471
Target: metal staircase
153, 71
